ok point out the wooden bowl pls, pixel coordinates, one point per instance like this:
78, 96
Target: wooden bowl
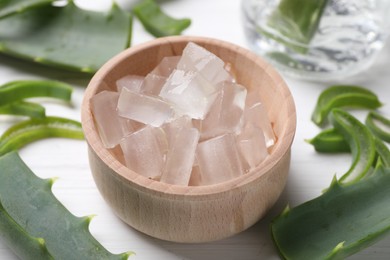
203, 213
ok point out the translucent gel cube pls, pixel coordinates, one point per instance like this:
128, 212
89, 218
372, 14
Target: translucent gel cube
166, 66
252, 98
172, 128
197, 58
197, 123
230, 69
152, 84
131, 82
145, 109
219, 159
180, 157
257, 114
110, 125
226, 113
190, 93
195, 179
144, 153
251, 143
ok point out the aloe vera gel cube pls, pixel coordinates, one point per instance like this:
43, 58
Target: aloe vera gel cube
188, 122
144, 152
146, 109
110, 125
219, 159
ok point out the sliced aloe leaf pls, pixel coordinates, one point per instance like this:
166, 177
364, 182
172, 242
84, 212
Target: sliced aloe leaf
383, 152
361, 142
31, 130
21, 89
379, 125
156, 22
343, 96
329, 141
29, 202
339, 223
23, 108
332, 141
9, 7
297, 22
66, 37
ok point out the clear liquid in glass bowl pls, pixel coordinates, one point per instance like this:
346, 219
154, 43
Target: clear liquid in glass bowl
345, 41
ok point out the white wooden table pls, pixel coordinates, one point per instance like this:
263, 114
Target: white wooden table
67, 159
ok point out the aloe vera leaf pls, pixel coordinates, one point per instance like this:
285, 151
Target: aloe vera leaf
30, 202
361, 142
66, 37
25, 132
342, 221
343, 96
9, 7
23, 108
379, 125
20, 242
156, 22
383, 152
18, 90
297, 22
329, 141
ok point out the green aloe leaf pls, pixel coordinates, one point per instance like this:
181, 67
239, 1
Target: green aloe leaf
29, 202
66, 37
21, 243
354, 211
34, 129
9, 7
332, 141
298, 19
21, 89
329, 141
23, 108
340, 222
156, 22
379, 125
297, 22
343, 96
361, 142
383, 152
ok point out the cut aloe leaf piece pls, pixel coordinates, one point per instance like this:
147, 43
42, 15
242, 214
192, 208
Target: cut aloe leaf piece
379, 125
156, 22
383, 152
329, 141
339, 223
296, 21
66, 37
31, 130
29, 202
23, 108
14, 91
361, 142
343, 96
9, 7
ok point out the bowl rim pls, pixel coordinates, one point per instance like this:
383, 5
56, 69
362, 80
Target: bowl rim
129, 177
